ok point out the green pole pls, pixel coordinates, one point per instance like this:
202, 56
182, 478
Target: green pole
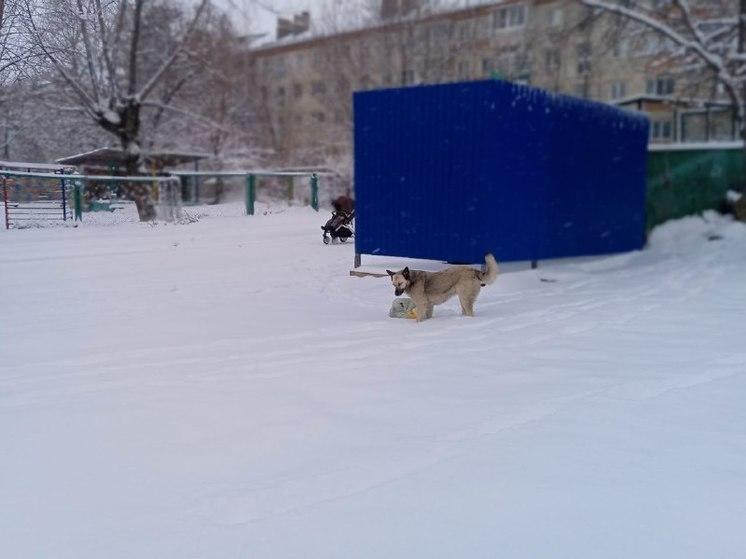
291, 190
315, 192
250, 194
77, 202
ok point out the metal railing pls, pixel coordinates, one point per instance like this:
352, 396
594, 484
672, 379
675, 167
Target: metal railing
76, 182
250, 177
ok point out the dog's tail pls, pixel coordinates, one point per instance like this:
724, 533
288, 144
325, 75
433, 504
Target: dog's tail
489, 275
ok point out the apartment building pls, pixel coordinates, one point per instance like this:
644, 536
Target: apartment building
306, 80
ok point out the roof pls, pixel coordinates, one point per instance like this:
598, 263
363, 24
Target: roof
672, 100
114, 157
447, 11
26, 166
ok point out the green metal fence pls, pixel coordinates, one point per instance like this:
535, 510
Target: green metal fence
688, 179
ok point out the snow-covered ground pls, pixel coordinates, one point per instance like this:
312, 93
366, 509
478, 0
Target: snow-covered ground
225, 389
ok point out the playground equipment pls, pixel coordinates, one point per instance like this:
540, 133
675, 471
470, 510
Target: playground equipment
70, 202
166, 191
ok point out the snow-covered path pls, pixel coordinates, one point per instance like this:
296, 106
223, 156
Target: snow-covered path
225, 389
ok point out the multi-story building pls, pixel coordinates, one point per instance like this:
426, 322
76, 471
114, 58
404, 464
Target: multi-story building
306, 80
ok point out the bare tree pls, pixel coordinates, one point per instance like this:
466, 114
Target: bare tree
100, 54
702, 36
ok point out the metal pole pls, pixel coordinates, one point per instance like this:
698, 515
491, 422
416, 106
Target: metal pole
250, 194
315, 191
64, 200
77, 202
291, 189
196, 184
5, 199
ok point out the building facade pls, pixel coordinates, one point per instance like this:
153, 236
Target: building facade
305, 81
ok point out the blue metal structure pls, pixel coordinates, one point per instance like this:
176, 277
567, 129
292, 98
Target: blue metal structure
449, 172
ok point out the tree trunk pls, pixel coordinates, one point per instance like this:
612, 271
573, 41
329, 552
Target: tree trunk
127, 129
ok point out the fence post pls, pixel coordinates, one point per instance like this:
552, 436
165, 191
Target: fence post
291, 189
64, 200
5, 200
315, 191
77, 202
250, 194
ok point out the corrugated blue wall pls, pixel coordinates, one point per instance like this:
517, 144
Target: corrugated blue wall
449, 172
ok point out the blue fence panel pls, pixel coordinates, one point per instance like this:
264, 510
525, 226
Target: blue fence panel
448, 172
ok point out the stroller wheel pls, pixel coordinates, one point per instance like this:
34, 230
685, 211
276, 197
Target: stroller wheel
343, 239
326, 239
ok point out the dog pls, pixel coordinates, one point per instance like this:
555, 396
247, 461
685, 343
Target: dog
428, 289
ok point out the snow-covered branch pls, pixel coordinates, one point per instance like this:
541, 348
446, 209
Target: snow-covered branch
155, 78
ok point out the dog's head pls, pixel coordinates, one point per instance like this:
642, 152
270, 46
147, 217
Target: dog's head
400, 280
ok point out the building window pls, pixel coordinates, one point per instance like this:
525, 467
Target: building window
584, 58
660, 130
281, 94
278, 67
298, 90
552, 60
660, 86
440, 33
618, 89
487, 66
520, 66
463, 69
620, 48
659, 4
556, 17
509, 17
318, 88
407, 77
466, 31
319, 116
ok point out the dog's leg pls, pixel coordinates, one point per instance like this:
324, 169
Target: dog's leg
423, 308
467, 297
430, 308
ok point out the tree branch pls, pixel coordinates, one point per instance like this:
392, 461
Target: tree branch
89, 54
148, 88
86, 100
133, 47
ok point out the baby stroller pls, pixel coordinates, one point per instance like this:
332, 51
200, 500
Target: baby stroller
339, 227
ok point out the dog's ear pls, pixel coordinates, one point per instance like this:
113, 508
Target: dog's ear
405, 273
389, 272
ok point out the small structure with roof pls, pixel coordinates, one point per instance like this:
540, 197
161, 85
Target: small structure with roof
111, 161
